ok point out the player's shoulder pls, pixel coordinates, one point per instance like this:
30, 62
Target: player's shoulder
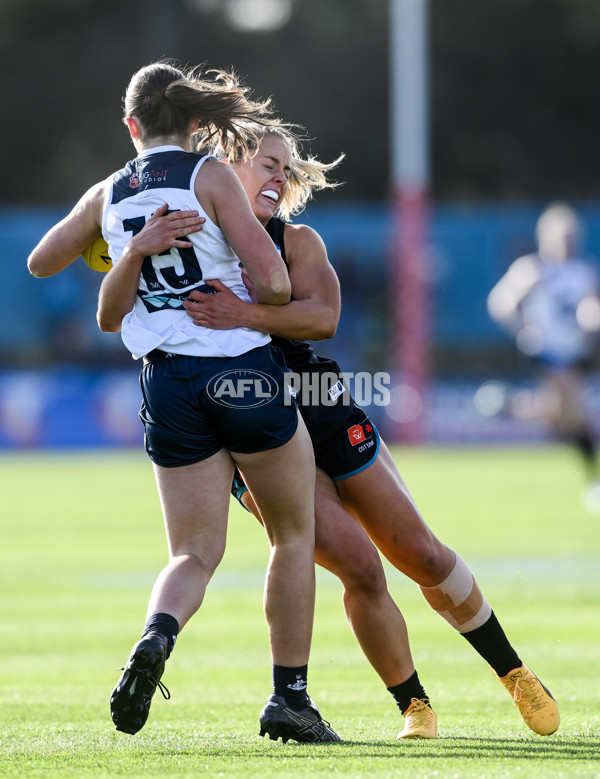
527, 261
305, 248
218, 189
526, 268
98, 191
216, 177
95, 197
215, 168
299, 236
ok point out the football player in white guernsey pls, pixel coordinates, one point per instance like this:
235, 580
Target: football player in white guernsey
196, 429
361, 499
549, 303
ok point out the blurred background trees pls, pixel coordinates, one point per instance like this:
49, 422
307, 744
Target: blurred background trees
514, 87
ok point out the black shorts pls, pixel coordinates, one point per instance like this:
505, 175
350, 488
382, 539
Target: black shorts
351, 449
194, 406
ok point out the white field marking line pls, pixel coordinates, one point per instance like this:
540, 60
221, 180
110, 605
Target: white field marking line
507, 569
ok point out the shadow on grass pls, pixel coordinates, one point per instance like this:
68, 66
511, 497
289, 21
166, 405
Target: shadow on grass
573, 748
77, 742
577, 748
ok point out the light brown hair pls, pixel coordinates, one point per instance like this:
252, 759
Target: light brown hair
165, 99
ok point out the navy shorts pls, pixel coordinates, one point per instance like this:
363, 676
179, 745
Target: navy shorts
351, 449
194, 406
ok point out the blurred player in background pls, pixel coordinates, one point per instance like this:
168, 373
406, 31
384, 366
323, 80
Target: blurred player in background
548, 302
193, 441
361, 500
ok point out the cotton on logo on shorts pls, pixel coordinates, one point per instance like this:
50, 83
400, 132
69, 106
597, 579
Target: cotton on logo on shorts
242, 388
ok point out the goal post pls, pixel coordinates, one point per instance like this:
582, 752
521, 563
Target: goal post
409, 211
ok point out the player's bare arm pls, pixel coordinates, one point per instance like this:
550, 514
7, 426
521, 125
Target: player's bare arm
67, 239
314, 312
119, 288
118, 291
219, 185
505, 298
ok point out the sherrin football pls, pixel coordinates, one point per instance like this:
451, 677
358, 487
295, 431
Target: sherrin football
96, 255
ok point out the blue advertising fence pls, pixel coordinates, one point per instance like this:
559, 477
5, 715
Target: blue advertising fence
63, 383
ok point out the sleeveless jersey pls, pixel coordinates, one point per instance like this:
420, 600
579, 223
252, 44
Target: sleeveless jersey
552, 329
167, 174
321, 420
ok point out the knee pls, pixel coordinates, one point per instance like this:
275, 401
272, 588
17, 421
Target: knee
427, 562
361, 574
434, 562
202, 563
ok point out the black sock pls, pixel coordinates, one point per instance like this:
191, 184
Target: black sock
164, 624
586, 445
290, 683
405, 692
491, 643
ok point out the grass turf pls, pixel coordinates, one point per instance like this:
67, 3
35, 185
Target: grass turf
82, 541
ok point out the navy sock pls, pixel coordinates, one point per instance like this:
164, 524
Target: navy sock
290, 683
405, 692
491, 643
164, 624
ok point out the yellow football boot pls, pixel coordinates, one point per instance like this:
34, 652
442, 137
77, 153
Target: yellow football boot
420, 720
537, 706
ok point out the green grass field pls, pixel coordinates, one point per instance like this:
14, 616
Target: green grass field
82, 541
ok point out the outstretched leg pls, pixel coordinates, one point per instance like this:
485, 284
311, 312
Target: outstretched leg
380, 501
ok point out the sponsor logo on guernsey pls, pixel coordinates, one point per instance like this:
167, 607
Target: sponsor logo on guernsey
147, 177
242, 389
